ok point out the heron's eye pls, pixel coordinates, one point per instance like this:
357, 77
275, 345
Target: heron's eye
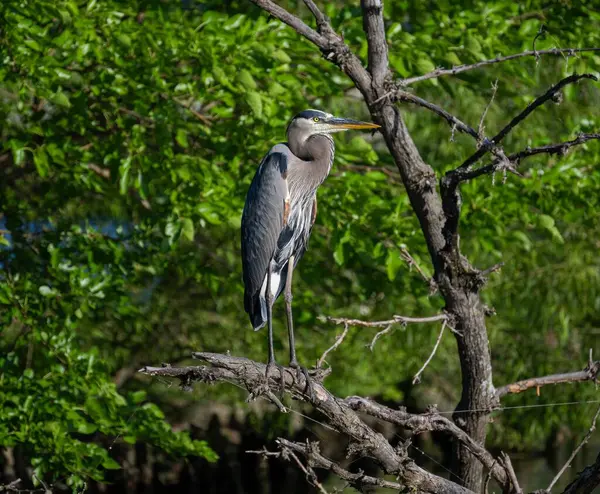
316, 119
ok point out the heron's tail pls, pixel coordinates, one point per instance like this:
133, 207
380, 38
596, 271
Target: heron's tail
256, 306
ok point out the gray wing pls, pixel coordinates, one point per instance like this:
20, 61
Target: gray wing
262, 221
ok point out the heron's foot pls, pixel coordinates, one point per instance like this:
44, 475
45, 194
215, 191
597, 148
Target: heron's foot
303, 371
270, 366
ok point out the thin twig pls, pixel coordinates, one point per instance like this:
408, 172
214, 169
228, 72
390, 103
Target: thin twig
481, 128
510, 471
454, 122
336, 344
309, 472
410, 260
417, 377
464, 68
577, 449
379, 335
488, 477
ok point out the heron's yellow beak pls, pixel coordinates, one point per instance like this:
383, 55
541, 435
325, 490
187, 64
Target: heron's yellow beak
346, 123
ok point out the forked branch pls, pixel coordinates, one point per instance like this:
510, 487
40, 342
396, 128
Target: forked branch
539, 101
560, 148
340, 416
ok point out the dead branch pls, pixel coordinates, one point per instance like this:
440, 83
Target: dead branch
481, 127
417, 378
577, 449
454, 122
410, 260
395, 320
419, 423
336, 344
379, 335
312, 454
540, 100
340, 416
561, 148
441, 72
590, 373
511, 473
586, 481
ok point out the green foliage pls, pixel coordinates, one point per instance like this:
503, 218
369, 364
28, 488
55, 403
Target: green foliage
131, 131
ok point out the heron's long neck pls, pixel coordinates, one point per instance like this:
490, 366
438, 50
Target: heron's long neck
308, 173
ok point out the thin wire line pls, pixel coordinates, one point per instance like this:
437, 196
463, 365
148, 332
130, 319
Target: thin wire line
536, 405
437, 462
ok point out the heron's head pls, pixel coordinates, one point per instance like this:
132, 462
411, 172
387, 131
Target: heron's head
315, 122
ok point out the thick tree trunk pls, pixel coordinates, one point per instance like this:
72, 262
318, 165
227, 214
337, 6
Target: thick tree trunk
477, 388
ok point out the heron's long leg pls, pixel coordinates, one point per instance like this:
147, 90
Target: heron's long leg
269, 299
288, 308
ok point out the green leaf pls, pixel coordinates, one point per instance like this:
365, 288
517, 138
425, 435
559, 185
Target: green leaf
246, 79
40, 159
255, 102
46, 291
124, 171
187, 229
110, 464
181, 138
61, 99
393, 263
548, 223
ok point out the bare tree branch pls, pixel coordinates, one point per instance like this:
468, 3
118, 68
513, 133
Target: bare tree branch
577, 449
377, 45
322, 21
481, 127
454, 122
340, 416
336, 344
311, 452
540, 100
395, 320
586, 481
560, 148
511, 473
417, 378
432, 421
292, 21
590, 373
379, 335
410, 260
569, 52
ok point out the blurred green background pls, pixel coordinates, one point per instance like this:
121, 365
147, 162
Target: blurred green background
130, 131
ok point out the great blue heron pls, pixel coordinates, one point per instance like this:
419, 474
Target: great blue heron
279, 213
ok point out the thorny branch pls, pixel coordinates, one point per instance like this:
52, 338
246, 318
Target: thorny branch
569, 52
